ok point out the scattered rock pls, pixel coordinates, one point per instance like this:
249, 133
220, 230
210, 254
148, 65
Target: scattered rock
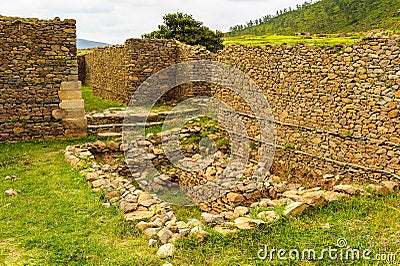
198, 233
348, 189
128, 206
246, 223
194, 222
295, 208
235, 197
99, 183
144, 196
12, 178
11, 192
164, 235
229, 215
380, 190
314, 198
326, 226
240, 211
166, 250
152, 242
270, 216
141, 226
264, 203
138, 215
334, 196
176, 237
150, 232
224, 230
211, 218
167, 264
147, 203
113, 146
391, 185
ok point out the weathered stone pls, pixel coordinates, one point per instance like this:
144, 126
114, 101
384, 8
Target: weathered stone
128, 206
72, 104
225, 230
314, 198
270, 216
164, 235
198, 233
11, 192
391, 185
166, 250
295, 208
70, 95
141, 226
334, 196
349, 189
211, 218
99, 183
246, 223
150, 232
240, 211
380, 190
138, 215
235, 197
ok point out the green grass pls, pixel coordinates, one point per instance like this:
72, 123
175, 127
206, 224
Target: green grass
56, 219
93, 103
332, 16
292, 40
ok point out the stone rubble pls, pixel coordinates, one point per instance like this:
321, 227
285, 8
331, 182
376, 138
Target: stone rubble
158, 222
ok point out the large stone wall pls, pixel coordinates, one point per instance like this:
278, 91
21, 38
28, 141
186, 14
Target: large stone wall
126, 68
36, 58
336, 109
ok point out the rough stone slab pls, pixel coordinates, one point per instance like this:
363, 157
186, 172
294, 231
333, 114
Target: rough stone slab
68, 113
72, 104
295, 208
70, 95
71, 86
75, 123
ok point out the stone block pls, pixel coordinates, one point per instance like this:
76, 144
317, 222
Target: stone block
72, 104
75, 123
71, 86
70, 95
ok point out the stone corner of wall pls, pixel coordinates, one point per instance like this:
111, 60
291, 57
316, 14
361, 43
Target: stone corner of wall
71, 111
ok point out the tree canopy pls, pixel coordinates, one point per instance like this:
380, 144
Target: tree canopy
182, 27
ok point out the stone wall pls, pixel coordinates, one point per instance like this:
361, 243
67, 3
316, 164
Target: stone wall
36, 57
340, 106
336, 109
126, 68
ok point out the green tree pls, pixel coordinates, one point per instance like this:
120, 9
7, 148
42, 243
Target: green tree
182, 27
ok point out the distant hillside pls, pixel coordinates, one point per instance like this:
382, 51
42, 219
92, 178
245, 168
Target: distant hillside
85, 44
326, 16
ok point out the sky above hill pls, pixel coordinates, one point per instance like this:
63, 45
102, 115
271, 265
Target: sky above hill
114, 21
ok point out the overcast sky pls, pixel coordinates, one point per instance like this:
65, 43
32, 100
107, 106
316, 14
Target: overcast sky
114, 21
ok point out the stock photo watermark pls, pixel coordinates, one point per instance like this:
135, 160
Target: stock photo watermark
208, 72
340, 252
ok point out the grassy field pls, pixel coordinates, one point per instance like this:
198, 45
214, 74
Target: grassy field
93, 103
56, 219
292, 40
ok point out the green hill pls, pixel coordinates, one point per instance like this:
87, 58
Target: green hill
327, 16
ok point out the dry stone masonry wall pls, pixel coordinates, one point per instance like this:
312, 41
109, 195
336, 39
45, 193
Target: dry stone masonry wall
336, 109
36, 58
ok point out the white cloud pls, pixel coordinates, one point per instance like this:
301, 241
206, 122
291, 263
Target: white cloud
115, 21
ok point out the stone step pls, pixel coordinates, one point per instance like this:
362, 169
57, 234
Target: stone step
117, 116
94, 129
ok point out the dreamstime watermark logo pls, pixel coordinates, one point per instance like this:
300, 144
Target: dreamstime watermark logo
341, 252
139, 111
